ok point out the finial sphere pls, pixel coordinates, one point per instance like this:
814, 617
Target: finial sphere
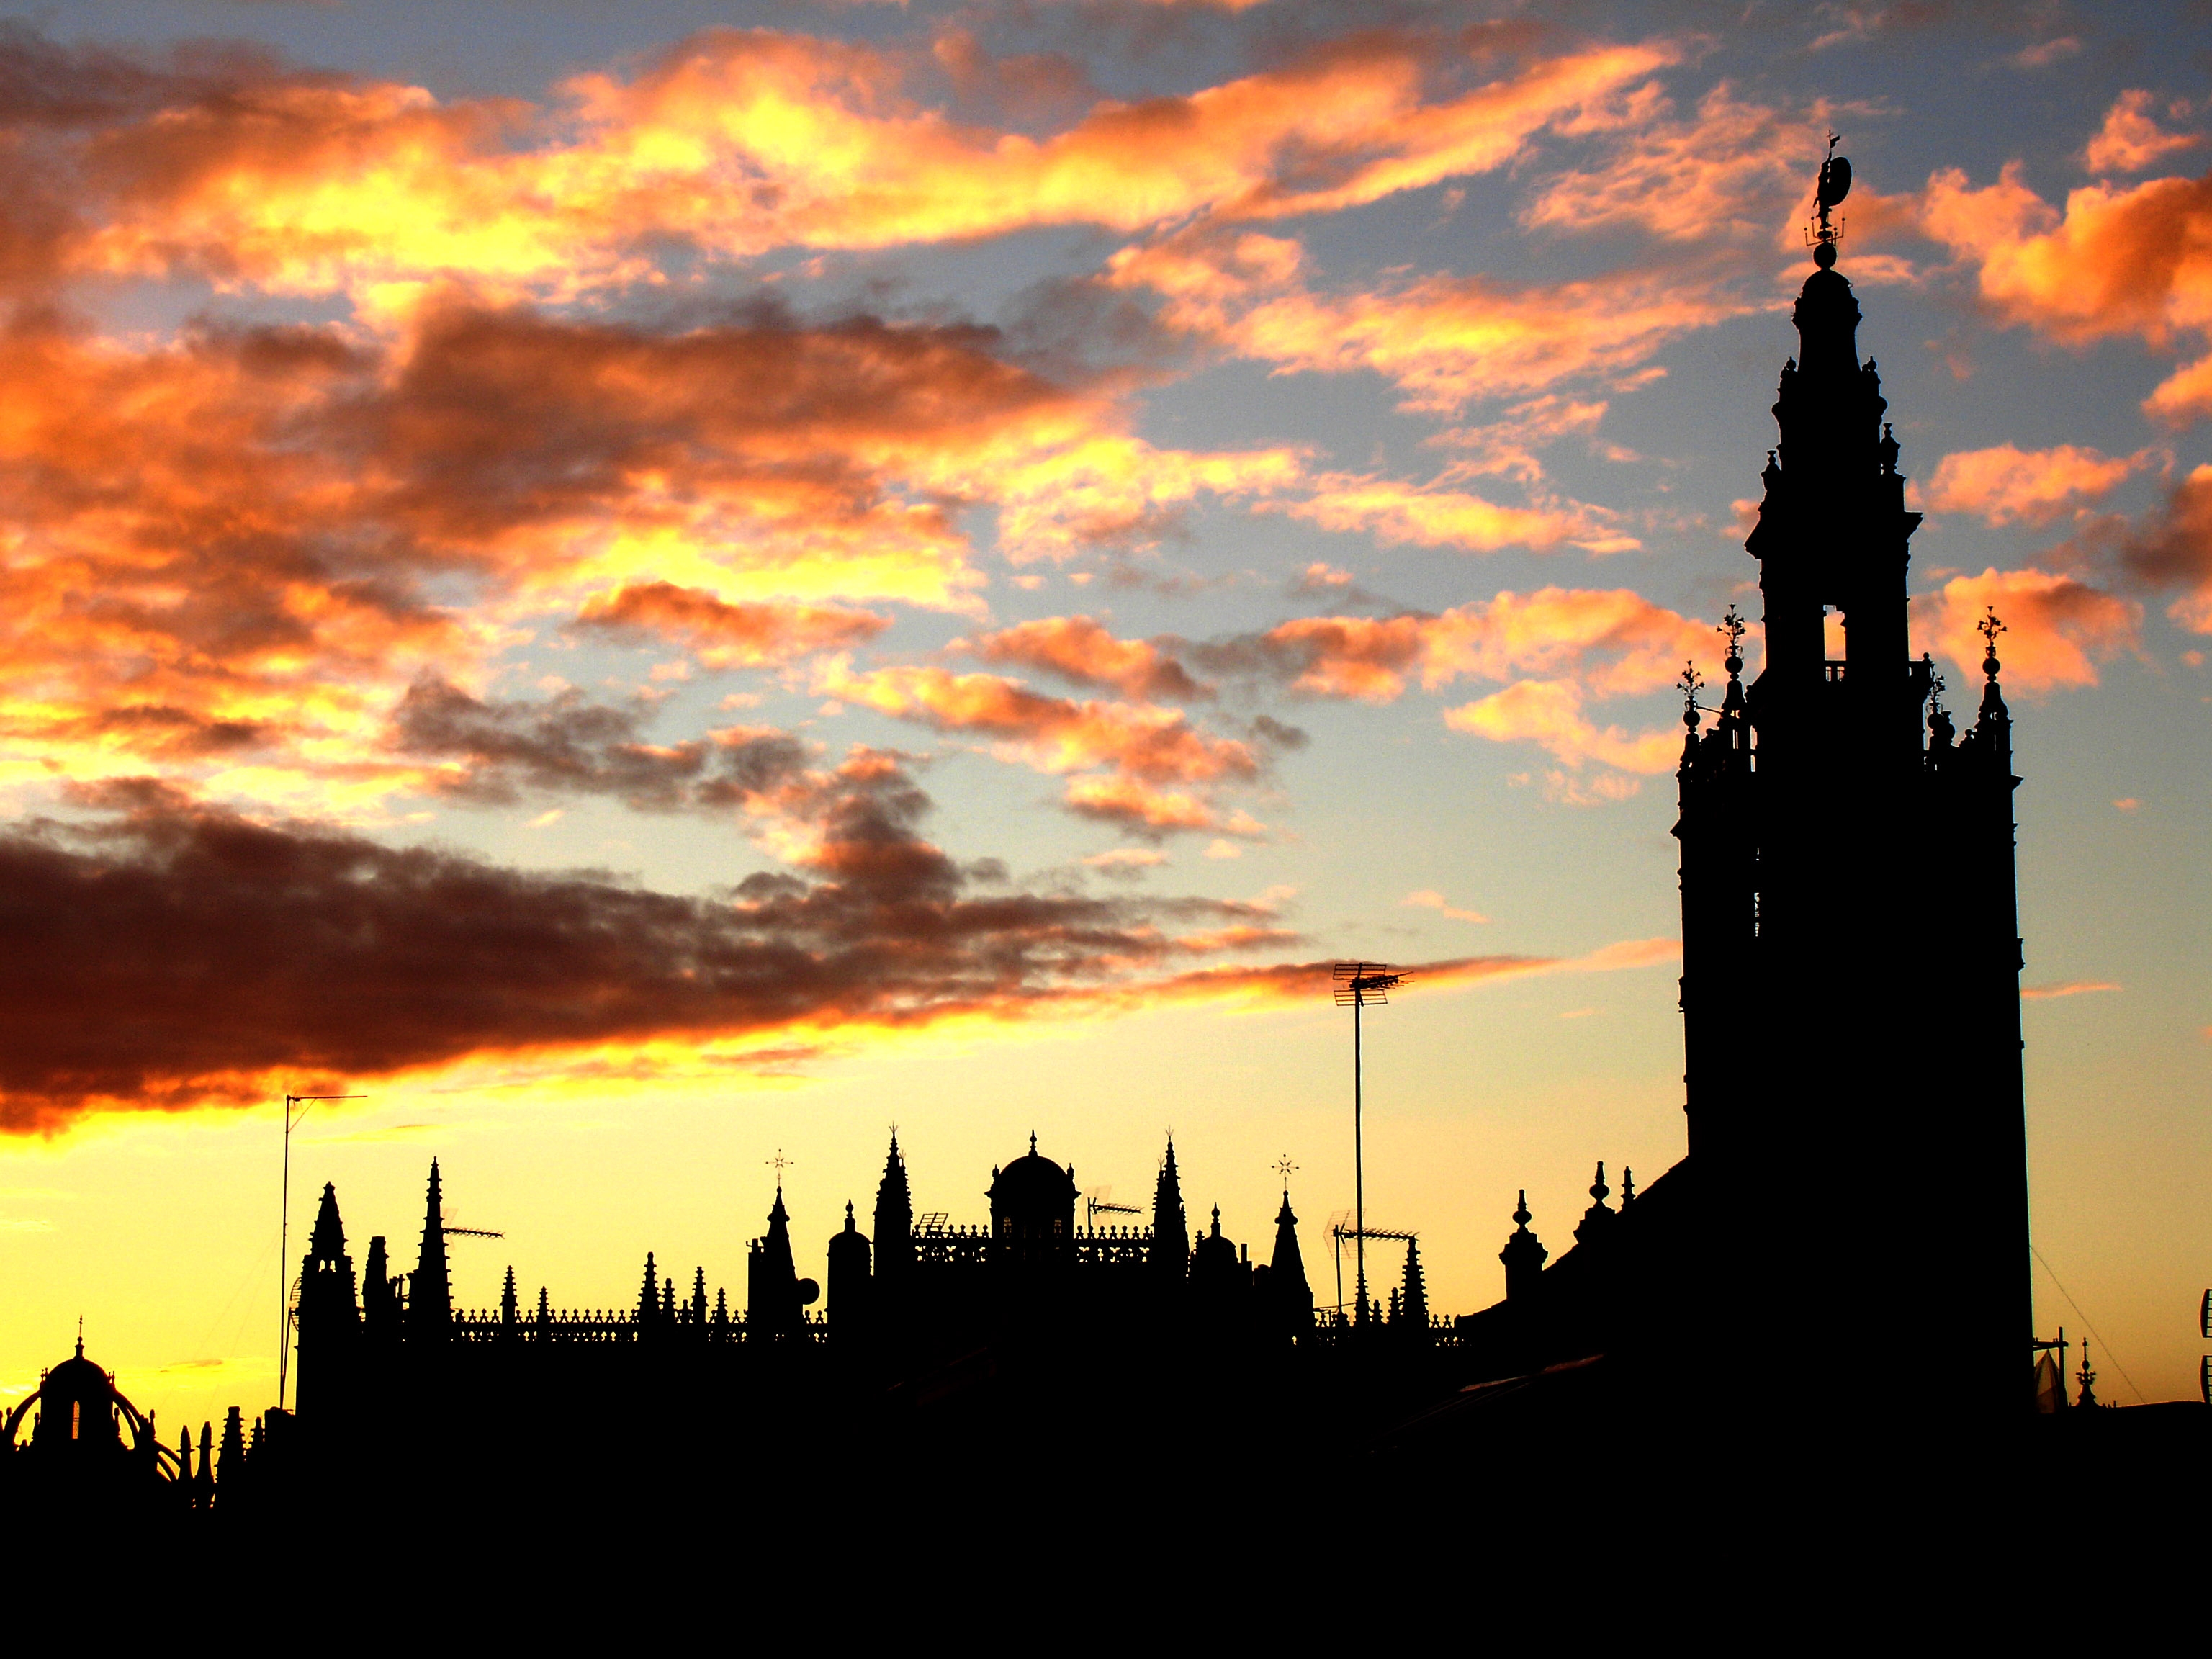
1824, 255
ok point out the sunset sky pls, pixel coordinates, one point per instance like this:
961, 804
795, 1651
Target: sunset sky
655, 586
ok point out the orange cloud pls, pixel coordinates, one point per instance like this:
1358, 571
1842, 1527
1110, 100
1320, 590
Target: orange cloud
225, 548
1444, 340
2057, 628
1428, 898
1549, 713
1508, 446
1396, 512
742, 140
1081, 650
1731, 170
1145, 810
2130, 140
1051, 733
2072, 988
1298, 984
2007, 485
2135, 260
1614, 641
727, 635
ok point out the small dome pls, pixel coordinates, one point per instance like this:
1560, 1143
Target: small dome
78, 1378
850, 1245
1213, 1255
1032, 1181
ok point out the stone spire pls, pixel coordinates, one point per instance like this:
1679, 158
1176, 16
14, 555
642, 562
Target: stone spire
773, 1309
1170, 1236
894, 1223
1286, 1274
327, 1241
1413, 1293
429, 1291
328, 1318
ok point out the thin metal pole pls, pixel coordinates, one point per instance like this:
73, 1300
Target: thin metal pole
284, 1255
1358, 1165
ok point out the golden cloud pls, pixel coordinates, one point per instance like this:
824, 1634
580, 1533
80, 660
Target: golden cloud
2009, 486
2057, 628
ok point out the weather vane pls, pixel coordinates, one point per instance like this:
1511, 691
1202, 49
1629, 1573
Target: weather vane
1835, 184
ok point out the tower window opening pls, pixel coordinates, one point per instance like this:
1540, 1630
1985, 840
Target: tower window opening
76, 1417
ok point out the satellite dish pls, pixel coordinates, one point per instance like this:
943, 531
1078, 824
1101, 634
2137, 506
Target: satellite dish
1835, 180
809, 1293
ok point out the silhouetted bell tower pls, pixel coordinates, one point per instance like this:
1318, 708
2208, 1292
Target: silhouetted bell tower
1849, 952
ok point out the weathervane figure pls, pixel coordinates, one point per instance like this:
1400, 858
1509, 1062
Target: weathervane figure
1834, 184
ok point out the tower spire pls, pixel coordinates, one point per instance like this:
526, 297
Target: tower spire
1170, 1238
1286, 1274
429, 1291
894, 1222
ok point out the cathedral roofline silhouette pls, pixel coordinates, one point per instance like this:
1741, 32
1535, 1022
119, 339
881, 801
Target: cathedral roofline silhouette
1849, 997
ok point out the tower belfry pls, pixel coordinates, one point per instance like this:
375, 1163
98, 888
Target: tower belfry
1851, 963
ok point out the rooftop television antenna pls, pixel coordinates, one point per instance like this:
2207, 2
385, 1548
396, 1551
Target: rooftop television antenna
1357, 985
1096, 1203
1341, 1227
296, 1108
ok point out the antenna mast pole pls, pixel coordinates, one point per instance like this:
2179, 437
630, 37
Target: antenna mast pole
1359, 1165
284, 1239
1356, 982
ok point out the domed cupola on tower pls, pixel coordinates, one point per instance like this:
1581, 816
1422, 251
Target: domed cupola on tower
1032, 1211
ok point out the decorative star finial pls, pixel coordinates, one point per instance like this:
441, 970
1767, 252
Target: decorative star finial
1733, 628
1989, 627
1283, 1167
1691, 682
780, 1164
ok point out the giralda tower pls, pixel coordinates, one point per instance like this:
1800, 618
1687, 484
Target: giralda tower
1850, 991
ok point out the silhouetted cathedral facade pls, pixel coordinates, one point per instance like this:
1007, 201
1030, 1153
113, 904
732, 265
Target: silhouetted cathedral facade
1856, 1155
1850, 998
